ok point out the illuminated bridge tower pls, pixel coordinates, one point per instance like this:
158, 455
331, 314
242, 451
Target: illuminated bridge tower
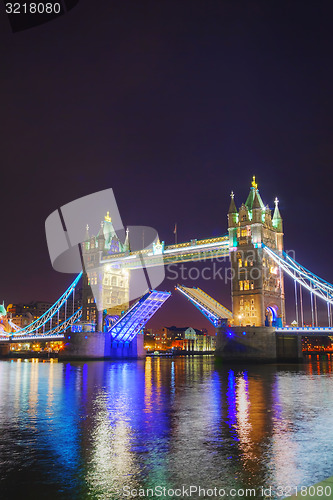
257, 286
104, 285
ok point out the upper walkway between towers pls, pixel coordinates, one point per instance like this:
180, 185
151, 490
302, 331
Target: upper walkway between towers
194, 250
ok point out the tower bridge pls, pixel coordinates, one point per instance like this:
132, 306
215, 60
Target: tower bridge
105, 325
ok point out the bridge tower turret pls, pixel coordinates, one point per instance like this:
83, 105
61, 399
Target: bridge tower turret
232, 221
257, 287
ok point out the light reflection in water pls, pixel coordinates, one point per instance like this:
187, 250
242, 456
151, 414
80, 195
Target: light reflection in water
85, 430
111, 463
50, 392
243, 416
17, 383
148, 386
231, 400
33, 390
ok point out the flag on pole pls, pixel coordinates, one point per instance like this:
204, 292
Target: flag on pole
175, 230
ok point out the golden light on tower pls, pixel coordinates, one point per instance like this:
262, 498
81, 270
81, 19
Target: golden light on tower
107, 218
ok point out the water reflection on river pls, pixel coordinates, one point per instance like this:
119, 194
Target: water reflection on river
88, 430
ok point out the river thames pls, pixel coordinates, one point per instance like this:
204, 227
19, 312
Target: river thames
113, 430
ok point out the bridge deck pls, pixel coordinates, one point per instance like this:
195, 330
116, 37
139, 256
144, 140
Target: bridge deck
212, 309
128, 325
25, 339
325, 331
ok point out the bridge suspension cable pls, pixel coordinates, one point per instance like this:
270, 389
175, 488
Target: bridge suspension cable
296, 301
306, 279
312, 316
55, 331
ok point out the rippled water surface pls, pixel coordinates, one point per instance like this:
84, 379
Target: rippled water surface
97, 429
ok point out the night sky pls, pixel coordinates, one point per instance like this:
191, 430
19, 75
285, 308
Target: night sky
172, 104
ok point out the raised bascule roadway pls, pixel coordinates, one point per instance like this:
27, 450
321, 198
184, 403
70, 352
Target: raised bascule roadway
213, 310
255, 329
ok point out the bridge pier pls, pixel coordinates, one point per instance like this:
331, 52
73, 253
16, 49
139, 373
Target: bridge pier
289, 347
125, 350
99, 345
257, 344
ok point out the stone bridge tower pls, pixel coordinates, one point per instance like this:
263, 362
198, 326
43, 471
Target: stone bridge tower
257, 286
103, 284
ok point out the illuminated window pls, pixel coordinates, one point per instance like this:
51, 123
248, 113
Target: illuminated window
241, 302
245, 263
241, 285
240, 263
246, 285
244, 232
252, 301
252, 285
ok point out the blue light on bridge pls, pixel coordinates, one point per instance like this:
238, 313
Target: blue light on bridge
76, 329
129, 325
244, 333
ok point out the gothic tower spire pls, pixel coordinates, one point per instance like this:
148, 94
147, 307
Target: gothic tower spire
232, 206
257, 287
